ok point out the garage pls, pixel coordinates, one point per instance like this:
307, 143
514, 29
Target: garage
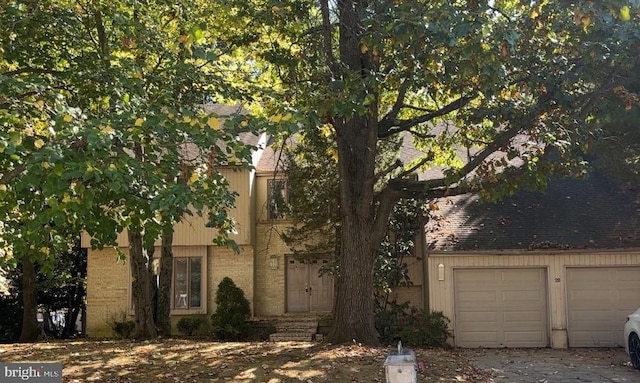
500, 307
598, 302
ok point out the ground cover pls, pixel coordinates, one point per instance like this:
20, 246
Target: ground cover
185, 361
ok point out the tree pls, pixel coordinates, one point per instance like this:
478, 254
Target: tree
102, 127
487, 90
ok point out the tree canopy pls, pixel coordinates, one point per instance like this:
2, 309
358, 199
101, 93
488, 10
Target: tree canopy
498, 95
102, 125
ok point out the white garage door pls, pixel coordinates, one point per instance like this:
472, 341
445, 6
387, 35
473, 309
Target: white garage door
500, 308
598, 301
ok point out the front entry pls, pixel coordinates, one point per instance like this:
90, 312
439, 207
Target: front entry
307, 290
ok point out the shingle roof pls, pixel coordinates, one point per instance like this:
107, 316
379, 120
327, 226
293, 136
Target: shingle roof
570, 214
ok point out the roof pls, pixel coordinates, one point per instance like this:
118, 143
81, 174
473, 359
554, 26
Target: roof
596, 213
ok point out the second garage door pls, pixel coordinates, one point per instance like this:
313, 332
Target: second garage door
501, 307
599, 300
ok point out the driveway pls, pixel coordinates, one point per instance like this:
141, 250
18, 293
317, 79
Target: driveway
556, 366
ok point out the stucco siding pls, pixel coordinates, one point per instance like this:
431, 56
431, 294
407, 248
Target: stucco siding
441, 284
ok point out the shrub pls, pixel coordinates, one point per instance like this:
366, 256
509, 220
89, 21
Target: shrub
124, 329
192, 325
426, 328
121, 327
231, 319
261, 329
389, 319
417, 327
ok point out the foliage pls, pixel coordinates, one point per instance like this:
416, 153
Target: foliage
261, 329
388, 319
120, 325
103, 127
11, 307
231, 319
193, 324
486, 90
426, 328
413, 326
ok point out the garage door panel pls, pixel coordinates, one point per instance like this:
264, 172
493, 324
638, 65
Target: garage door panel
507, 309
523, 316
478, 296
598, 301
478, 316
521, 296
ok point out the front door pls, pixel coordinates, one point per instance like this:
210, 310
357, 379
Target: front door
307, 290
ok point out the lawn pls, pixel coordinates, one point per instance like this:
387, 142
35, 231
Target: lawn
185, 361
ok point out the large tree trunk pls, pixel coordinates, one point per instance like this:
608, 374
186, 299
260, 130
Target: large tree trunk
163, 308
356, 136
142, 289
30, 330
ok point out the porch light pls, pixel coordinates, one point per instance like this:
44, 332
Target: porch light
273, 262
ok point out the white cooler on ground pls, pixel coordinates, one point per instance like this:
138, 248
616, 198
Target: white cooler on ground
401, 367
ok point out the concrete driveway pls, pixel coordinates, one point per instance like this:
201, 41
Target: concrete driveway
556, 366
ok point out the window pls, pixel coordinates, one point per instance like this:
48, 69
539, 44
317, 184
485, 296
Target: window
187, 282
277, 198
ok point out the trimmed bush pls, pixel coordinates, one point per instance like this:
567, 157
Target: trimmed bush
231, 319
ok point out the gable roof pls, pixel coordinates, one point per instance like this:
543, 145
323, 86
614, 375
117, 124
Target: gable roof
571, 214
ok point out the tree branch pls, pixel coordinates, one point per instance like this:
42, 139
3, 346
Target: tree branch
388, 128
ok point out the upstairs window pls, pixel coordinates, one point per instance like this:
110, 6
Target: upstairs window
187, 286
277, 198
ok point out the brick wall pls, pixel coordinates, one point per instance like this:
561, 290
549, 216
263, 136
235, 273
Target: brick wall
269, 283
224, 262
107, 290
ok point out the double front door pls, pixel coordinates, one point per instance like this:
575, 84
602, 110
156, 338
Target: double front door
307, 289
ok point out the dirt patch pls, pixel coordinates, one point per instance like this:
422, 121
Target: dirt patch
186, 361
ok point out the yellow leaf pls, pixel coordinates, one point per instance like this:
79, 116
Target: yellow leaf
277, 118
585, 20
286, 117
364, 49
45, 165
534, 13
3, 187
213, 123
67, 118
38, 143
139, 122
107, 129
186, 119
44, 250
170, 116
625, 13
40, 104
194, 178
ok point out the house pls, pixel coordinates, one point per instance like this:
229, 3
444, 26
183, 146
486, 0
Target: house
555, 269
275, 282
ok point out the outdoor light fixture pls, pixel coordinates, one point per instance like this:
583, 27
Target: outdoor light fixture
273, 262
